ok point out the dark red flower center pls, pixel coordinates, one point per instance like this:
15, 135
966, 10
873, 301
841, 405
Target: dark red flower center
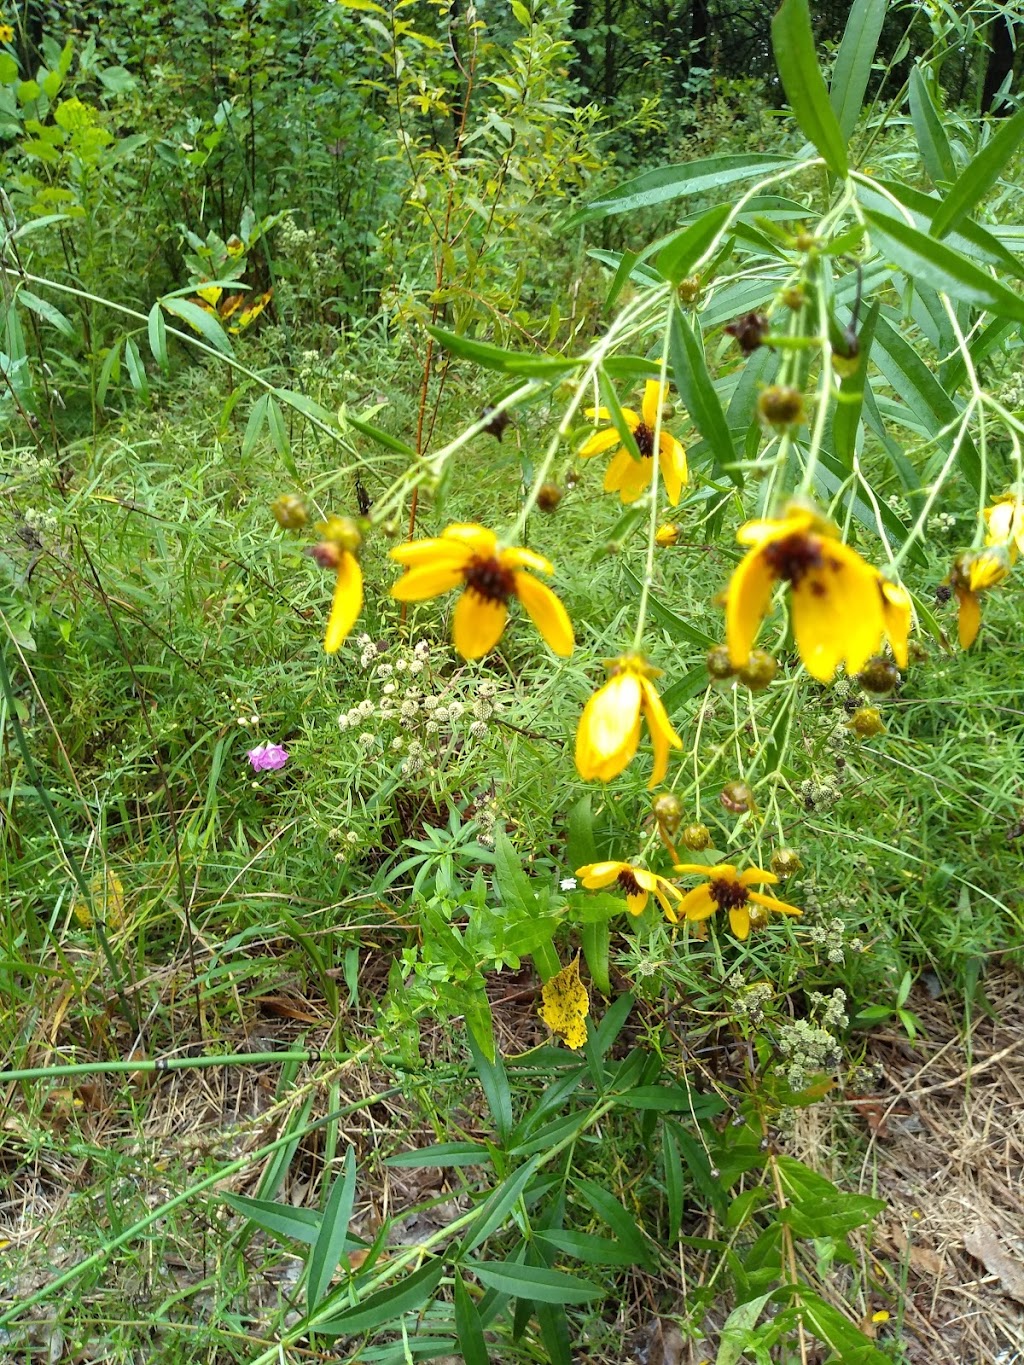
629, 883
489, 578
727, 894
794, 556
644, 437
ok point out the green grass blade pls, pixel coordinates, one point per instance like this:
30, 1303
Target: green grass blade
980, 174
329, 1246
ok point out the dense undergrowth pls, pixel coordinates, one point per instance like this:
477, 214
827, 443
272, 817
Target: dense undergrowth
327, 1029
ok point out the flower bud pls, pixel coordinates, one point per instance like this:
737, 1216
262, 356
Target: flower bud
342, 532
785, 862
781, 405
667, 534
549, 495
737, 797
866, 722
758, 916
794, 297
289, 512
696, 838
668, 811
759, 670
689, 289
879, 675
718, 663
749, 331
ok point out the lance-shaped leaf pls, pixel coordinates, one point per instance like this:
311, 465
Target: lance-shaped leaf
793, 46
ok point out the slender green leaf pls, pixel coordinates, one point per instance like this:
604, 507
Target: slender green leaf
610, 399
110, 370
673, 182
277, 427
796, 59
838, 1332
852, 67
929, 131
943, 268
468, 1327
255, 424
554, 1330
44, 309
979, 175
157, 330
499, 1203
623, 272
494, 1083
612, 1023
596, 937
682, 252
202, 322
382, 438
967, 237
698, 393
299, 1225
585, 1247
497, 358
329, 1246
580, 841
534, 1282
387, 1306
136, 369
443, 1154
611, 1212
673, 1170
480, 1022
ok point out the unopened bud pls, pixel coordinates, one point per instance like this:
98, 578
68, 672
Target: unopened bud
781, 405
866, 722
785, 862
759, 670
289, 512
667, 534
737, 797
696, 838
879, 675
668, 811
718, 663
549, 495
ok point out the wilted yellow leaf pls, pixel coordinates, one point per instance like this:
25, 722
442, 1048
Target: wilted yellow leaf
566, 1004
107, 898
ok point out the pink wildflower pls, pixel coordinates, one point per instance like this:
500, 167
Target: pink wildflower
267, 756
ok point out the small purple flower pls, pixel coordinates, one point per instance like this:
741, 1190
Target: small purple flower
267, 756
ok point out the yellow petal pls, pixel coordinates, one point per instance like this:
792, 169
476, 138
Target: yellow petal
476, 538
969, 618
660, 728
672, 463
774, 528
517, 557
896, 614
692, 869
746, 604
546, 612
757, 876
478, 624
599, 442
739, 921
597, 875
416, 553
654, 398
416, 585
697, 904
636, 904
609, 729
837, 613
347, 603
770, 903
627, 477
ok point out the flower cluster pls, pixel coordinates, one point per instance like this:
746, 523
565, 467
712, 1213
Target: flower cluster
723, 888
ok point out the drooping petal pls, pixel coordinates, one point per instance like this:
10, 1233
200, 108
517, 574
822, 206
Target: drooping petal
636, 902
667, 907
609, 729
697, 904
428, 580
774, 528
770, 903
599, 442
626, 476
547, 613
739, 921
347, 602
672, 463
597, 875
757, 876
969, 618
697, 869
478, 624
837, 613
746, 604
654, 398
896, 615
663, 736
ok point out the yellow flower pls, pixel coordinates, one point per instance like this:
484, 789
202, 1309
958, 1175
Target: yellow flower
469, 555
725, 889
336, 551
841, 606
609, 728
666, 535
626, 475
636, 884
6, 33
971, 575
1005, 524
